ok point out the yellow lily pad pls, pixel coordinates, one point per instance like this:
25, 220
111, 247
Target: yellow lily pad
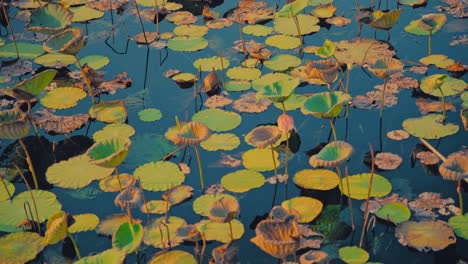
308, 208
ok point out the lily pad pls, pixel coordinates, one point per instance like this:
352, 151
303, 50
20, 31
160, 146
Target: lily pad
30, 88
279, 91
292, 9
150, 115
210, 64
271, 78
325, 104
114, 130
155, 207
159, 175
109, 112
333, 154
221, 232
282, 62
76, 172
84, 13
439, 60
184, 43
324, 11
425, 235
202, 205
237, 85
429, 127
174, 257
242, 181
109, 153
395, 212
428, 23
215, 142
191, 30
307, 207
3, 193
260, 159
55, 60
84, 222
218, 120
243, 73
112, 255
128, 237
20, 247
154, 237
108, 226
287, 26
257, 30
63, 97
283, 42
353, 255
95, 61
293, 102
359, 186
50, 19
316, 179
448, 85
459, 223
25, 50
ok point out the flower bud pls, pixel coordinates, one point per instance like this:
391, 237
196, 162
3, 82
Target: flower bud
285, 123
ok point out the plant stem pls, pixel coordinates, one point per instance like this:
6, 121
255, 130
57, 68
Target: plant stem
157, 16
296, 21
32, 197
286, 163
199, 167
222, 66
5, 14
141, 22
31, 120
85, 78
6, 189
460, 196
444, 113
382, 98
274, 162
30, 165
118, 178
203, 247
433, 150
350, 200
429, 44
366, 211
332, 128
75, 246
244, 49
230, 229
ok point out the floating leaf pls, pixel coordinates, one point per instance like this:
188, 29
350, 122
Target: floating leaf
362, 51
218, 120
429, 127
55, 60
217, 142
427, 24
174, 257
459, 223
325, 104
260, 159
327, 50
59, 124
150, 115
20, 247
425, 235
84, 13
203, 204
183, 43
68, 42
114, 130
308, 208
316, 179
271, 78
8, 186
387, 161
221, 232
283, 42
242, 181
395, 212
108, 226
95, 61
412, 2
324, 11
243, 73
191, 30
76, 172
112, 255
56, 228
83, 222
25, 50
109, 112
109, 153
439, 60
359, 186
128, 237
449, 86
353, 255
385, 20
63, 97
178, 194
30, 88
287, 26
191, 133
210, 64
50, 19
257, 30
224, 210
155, 207
282, 62
154, 237
159, 175
333, 154
292, 9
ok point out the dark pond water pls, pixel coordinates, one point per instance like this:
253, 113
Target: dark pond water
361, 129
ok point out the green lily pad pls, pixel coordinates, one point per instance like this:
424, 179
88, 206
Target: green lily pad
242, 181
3, 193
319, 2
30, 88
178, 194
429, 23
11, 217
283, 42
271, 78
287, 26
324, 11
159, 175
155, 207
221, 232
83, 223
307, 207
359, 186
114, 184
316, 179
293, 102
76, 172
215, 142
429, 127
84, 13
385, 20
50, 19
353, 255
439, 60
191, 30
257, 30
218, 120
448, 85
243, 73
325, 104
282, 62
109, 153
69, 41
327, 50
55, 60
56, 228
395, 212
109, 112
148, 147
174, 257
13, 124
95, 61
20, 247
260, 159
210, 64
114, 130
333, 154
202, 205
154, 237
150, 115
128, 237
279, 91
184, 43
63, 97
459, 223
292, 9
111, 256
25, 50
108, 226
237, 85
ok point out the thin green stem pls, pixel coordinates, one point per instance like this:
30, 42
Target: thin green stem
382, 98
141, 22
5, 14
444, 113
347, 80
244, 49
203, 247
460, 196
230, 229
30, 118
296, 21
75, 246
274, 161
222, 66
366, 211
6, 188
199, 167
30, 165
350, 200
286, 163
85, 78
32, 196
333, 128
118, 178
429, 44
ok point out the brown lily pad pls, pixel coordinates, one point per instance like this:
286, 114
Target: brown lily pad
426, 106
425, 235
59, 124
